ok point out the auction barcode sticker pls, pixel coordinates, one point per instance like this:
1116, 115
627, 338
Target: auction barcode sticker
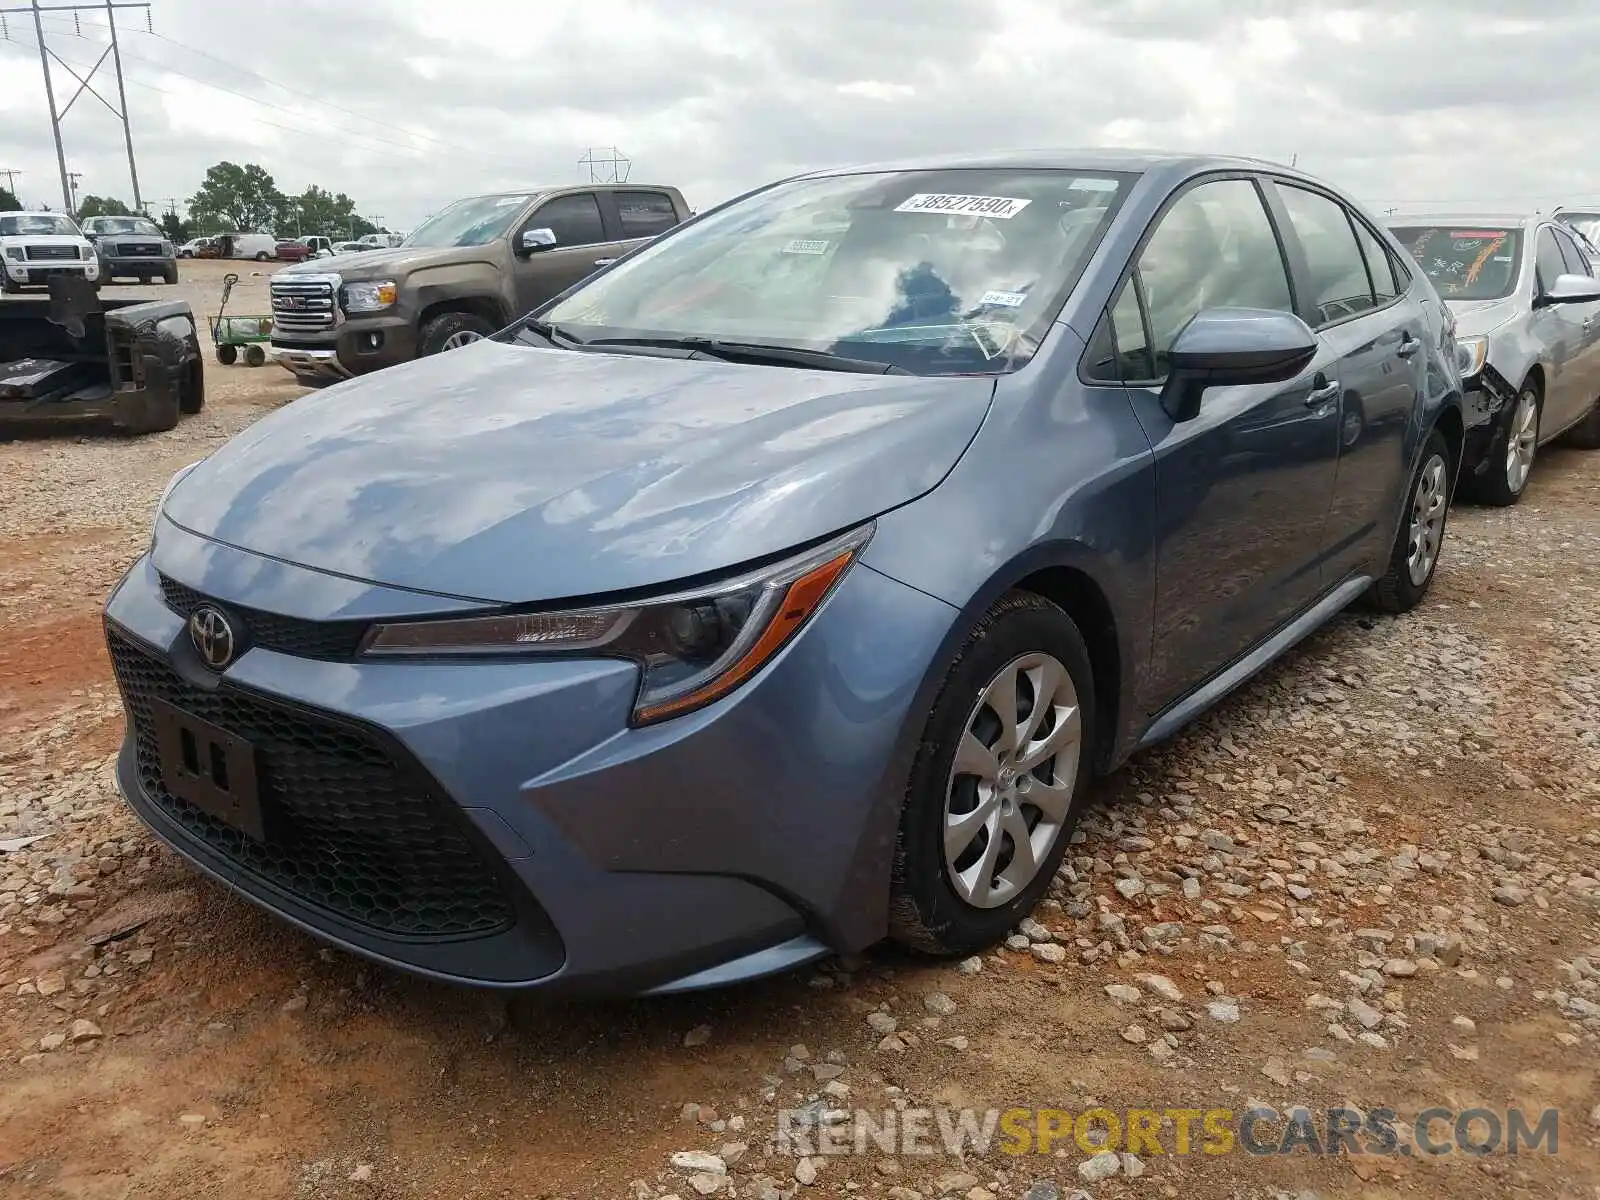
806, 246
1004, 207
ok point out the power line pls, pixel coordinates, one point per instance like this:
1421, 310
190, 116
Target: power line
46, 54
360, 116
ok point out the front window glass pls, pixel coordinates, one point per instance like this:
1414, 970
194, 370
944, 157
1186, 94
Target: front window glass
1465, 262
935, 272
105, 225
473, 222
36, 225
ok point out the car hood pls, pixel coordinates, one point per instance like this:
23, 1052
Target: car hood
1474, 318
48, 239
516, 474
371, 264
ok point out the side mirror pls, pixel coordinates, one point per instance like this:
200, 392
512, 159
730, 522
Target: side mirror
534, 240
1223, 346
1571, 289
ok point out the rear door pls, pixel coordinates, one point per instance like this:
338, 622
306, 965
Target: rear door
1372, 334
581, 242
639, 216
1241, 489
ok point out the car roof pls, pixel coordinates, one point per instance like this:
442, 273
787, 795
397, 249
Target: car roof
1093, 158
1502, 220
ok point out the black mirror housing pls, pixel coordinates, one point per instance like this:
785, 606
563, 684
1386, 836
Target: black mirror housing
1220, 347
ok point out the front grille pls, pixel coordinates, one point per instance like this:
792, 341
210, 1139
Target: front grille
36, 253
333, 640
301, 306
357, 833
139, 250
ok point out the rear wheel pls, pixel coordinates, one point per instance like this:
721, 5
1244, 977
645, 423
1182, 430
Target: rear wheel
1415, 555
452, 330
227, 355
994, 789
263, 256
254, 356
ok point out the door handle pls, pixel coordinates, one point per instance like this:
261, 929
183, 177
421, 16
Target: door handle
604, 262
1323, 389
1408, 345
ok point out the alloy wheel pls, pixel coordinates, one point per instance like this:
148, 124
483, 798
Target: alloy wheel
466, 337
1428, 506
1522, 441
1012, 781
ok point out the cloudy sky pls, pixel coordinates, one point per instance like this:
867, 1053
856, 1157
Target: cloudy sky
406, 104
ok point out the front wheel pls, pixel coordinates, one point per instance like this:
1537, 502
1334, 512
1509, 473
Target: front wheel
451, 331
1415, 555
1005, 756
1506, 478
227, 355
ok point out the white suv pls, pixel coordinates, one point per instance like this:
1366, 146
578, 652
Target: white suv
37, 245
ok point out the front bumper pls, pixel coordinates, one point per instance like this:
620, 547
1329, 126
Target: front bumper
1485, 397
143, 267
38, 272
358, 346
723, 845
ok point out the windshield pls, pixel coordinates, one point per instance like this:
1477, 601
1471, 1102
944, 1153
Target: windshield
935, 272
34, 224
122, 225
1466, 262
472, 222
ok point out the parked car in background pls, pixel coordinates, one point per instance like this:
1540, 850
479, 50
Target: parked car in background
1527, 310
34, 246
195, 248
381, 241
675, 636
1586, 221
132, 248
349, 248
301, 248
262, 247
463, 274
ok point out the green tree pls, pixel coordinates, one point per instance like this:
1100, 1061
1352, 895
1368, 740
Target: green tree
103, 206
176, 228
8, 202
316, 210
241, 198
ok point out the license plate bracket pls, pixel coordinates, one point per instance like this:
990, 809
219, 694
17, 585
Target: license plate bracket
216, 771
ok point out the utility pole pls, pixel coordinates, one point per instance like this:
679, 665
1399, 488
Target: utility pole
57, 115
72, 203
11, 179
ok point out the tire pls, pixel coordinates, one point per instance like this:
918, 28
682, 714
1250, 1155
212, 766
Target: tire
1511, 452
263, 256
171, 275
227, 355
192, 389
1585, 435
6, 286
957, 905
254, 356
1426, 512
451, 326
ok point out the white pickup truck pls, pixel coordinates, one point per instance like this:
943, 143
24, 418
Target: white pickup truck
36, 245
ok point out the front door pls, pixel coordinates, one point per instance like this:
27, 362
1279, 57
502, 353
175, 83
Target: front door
1242, 489
581, 243
1560, 331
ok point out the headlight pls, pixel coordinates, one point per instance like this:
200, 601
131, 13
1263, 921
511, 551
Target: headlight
692, 647
86, 251
369, 297
1470, 353
167, 250
14, 253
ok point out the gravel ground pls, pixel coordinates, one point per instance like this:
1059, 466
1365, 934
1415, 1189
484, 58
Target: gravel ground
1370, 880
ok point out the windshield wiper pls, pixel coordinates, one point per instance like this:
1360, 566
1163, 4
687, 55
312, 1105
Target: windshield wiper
758, 352
553, 334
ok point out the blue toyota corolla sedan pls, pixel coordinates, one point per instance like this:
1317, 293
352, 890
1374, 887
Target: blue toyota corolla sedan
781, 587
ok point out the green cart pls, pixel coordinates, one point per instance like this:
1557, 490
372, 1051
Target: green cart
235, 334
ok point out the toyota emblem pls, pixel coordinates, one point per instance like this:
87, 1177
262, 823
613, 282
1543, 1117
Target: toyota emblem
212, 636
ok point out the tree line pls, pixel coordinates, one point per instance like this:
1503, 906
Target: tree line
236, 198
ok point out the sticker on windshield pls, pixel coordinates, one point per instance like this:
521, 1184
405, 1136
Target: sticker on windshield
1477, 233
1003, 299
1092, 185
806, 246
1003, 207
